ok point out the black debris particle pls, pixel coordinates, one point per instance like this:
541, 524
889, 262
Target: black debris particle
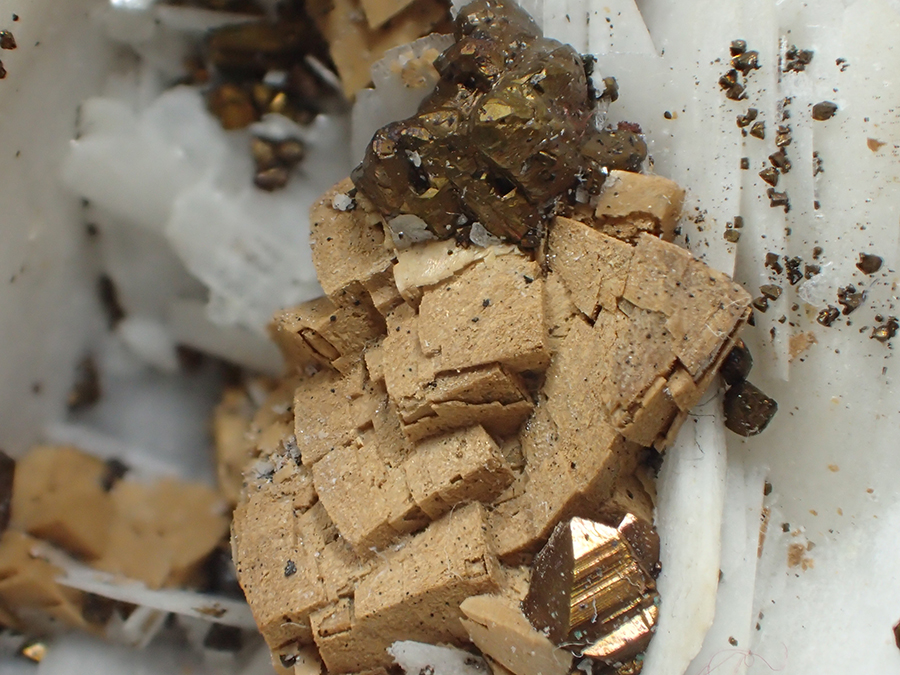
842, 64
773, 264
290, 568
96, 609
886, 330
738, 47
777, 199
767, 489
222, 638
850, 299
783, 137
745, 163
792, 265
785, 527
737, 365
824, 110
809, 271
761, 304
780, 161
818, 165
796, 60
7, 40
771, 291
748, 410
828, 316
7, 474
817, 252
869, 263
746, 62
114, 471
85, 390
769, 175
109, 301
747, 118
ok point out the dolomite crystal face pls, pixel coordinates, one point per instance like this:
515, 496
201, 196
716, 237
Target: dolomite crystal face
507, 134
458, 405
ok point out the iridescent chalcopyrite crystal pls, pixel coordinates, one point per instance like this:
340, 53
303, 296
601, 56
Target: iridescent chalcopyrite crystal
506, 138
592, 590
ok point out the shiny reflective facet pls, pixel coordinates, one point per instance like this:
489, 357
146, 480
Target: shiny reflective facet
591, 591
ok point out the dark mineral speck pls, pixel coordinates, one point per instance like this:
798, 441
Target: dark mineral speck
780, 161
792, 265
769, 175
761, 303
824, 111
828, 316
885, 331
222, 638
748, 117
868, 263
758, 130
7, 473
796, 60
7, 40
850, 299
738, 47
771, 291
737, 364
773, 264
746, 62
747, 409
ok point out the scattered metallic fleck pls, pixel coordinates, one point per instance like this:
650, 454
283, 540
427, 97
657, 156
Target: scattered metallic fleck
771, 291
7, 40
850, 299
824, 110
885, 331
869, 263
828, 316
770, 175
748, 410
758, 130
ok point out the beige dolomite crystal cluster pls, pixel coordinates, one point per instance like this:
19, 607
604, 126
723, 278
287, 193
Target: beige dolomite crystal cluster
448, 406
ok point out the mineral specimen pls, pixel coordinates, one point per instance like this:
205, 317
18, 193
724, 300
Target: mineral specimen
507, 132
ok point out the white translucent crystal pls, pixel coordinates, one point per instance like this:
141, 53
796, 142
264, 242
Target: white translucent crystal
418, 657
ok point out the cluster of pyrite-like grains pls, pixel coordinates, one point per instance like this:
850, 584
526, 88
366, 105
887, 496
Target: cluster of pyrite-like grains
507, 138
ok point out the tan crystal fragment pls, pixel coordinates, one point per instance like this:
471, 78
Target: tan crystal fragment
163, 531
348, 249
462, 466
58, 496
589, 591
430, 403
664, 322
591, 265
329, 411
492, 312
427, 264
631, 203
29, 593
370, 504
355, 45
416, 593
500, 630
319, 332
276, 566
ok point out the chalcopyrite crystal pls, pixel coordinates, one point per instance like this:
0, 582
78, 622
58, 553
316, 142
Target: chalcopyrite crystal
508, 134
592, 593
